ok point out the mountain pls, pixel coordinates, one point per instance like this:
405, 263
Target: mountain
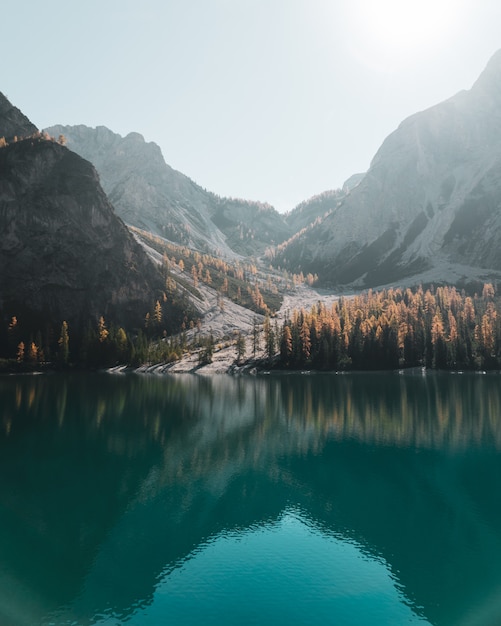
312, 209
64, 254
428, 208
13, 123
149, 194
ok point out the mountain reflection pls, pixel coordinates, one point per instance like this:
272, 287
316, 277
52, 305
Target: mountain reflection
116, 480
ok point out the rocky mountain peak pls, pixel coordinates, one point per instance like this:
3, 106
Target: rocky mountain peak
489, 82
13, 123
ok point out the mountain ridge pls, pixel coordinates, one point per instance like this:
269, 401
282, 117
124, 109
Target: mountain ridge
149, 194
427, 200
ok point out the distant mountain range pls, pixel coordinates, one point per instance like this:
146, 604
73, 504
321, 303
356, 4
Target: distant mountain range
149, 194
429, 208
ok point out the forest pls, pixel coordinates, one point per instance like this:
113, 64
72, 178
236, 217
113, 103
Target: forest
438, 328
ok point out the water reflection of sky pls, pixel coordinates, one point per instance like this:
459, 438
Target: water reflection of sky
281, 572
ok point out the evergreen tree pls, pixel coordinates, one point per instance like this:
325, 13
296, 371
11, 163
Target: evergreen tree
286, 345
269, 340
240, 346
13, 337
63, 342
255, 336
102, 331
206, 354
122, 345
157, 315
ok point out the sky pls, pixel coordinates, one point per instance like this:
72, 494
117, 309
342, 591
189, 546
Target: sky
268, 100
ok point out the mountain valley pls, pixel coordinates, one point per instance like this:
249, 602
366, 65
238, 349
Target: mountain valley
141, 245
149, 194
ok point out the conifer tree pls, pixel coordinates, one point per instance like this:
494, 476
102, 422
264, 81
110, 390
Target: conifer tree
255, 336
157, 314
122, 345
240, 346
269, 338
32, 352
286, 345
13, 337
64, 344
102, 331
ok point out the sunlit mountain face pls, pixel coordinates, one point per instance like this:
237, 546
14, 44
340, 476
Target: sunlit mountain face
133, 498
427, 209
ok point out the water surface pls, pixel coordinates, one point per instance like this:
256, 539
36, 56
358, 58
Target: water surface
348, 500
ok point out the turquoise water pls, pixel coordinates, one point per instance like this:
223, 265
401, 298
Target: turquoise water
347, 500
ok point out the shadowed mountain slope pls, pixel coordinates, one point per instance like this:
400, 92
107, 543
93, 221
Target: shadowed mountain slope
64, 253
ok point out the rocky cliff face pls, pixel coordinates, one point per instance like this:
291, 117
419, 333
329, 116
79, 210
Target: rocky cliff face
13, 123
430, 202
149, 194
64, 254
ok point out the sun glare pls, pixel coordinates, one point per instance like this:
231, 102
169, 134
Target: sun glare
388, 34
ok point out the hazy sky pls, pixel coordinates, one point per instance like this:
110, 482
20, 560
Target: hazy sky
271, 100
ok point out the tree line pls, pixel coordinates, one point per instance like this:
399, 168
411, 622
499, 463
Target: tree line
26, 345
38, 135
438, 328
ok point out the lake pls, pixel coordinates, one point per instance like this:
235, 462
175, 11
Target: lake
356, 499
